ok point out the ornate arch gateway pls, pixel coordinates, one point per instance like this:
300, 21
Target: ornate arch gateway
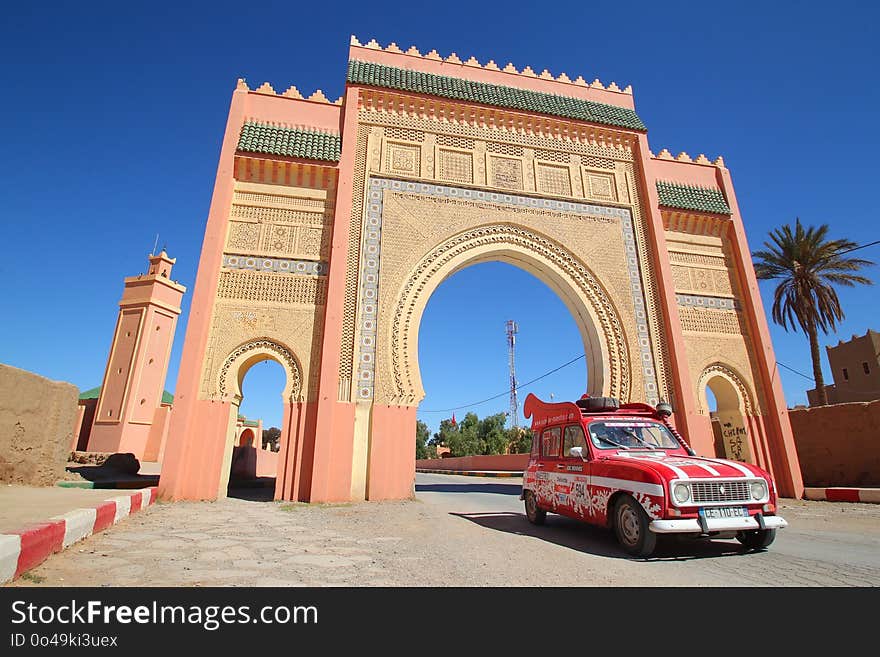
331, 224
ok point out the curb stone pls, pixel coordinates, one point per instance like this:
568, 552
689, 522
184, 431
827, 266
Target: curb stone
30, 546
869, 495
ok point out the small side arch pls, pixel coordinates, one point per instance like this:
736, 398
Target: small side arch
248, 354
729, 389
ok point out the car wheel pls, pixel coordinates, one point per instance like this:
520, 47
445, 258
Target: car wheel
757, 539
535, 514
631, 527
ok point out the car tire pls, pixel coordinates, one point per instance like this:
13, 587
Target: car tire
599, 403
757, 539
631, 526
534, 513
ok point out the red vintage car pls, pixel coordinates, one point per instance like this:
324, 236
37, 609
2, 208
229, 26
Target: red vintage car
625, 467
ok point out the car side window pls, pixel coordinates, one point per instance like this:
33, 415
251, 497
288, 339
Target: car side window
550, 442
574, 437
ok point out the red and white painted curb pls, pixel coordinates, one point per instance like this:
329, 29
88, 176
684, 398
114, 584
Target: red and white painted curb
26, 548
870, 495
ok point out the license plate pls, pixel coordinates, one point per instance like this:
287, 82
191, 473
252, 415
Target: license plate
725, 512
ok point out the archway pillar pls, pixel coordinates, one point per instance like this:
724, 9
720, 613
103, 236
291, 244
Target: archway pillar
194, 449
296, 451
335, 413
686, 417
391, 468
784, 464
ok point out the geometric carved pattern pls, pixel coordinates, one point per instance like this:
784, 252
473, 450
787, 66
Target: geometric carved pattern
715, 303
282, 265
272, 287
283, 356
456, 166
346, 348
610, 324
554, 180
504, 149
515, 138
686, 258
403, 159
600, 186
244, 235
710, 321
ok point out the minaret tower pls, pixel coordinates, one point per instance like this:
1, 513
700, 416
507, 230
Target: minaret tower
131, 393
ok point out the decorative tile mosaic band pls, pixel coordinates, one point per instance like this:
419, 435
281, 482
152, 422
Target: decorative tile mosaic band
372, 246
715, 303
277, 265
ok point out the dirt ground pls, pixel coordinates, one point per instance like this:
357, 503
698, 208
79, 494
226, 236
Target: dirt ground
418, 543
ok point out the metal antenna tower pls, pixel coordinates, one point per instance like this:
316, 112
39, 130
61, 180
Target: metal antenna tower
512, 330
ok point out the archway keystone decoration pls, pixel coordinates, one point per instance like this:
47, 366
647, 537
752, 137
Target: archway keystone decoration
332, 223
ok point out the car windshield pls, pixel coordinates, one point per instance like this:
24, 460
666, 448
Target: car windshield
631, 434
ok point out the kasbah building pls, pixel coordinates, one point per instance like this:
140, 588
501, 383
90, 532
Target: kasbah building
331, 223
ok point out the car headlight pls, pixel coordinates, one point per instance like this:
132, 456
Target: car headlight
759, 490
682, 493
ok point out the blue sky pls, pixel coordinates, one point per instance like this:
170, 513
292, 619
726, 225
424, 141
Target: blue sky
114, 113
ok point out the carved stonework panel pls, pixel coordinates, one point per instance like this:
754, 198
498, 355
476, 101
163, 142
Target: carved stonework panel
551, 179
403, 159
283, 289
451, 209
703, 320
505, 172
600, 185
455, 166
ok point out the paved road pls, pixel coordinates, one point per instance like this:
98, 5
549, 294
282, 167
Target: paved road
459, 531
826, 544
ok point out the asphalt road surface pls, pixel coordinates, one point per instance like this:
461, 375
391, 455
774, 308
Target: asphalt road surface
458, 531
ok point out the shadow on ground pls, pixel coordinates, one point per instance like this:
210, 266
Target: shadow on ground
598, 541
258, 489
498, 489
99, 474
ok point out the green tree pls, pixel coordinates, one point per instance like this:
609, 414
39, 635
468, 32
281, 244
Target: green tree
272, 437
491, 434
808, 265
422, 435
463, 439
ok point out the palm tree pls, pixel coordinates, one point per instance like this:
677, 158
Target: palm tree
808, 266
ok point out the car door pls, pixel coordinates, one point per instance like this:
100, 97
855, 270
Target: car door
545, 489
573, 474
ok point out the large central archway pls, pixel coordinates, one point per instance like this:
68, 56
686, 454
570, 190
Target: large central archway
599, 325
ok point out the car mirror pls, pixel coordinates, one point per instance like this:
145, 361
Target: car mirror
577, 452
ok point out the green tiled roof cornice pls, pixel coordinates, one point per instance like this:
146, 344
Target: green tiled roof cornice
692, 197
378, 75
289, 142
94, 393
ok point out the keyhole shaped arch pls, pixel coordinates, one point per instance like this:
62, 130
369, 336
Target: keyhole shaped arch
605, 346
248, 354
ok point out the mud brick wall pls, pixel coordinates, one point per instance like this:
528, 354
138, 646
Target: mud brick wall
37, 421
838, 445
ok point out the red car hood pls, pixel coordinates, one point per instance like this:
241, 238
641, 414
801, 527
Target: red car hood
676, 466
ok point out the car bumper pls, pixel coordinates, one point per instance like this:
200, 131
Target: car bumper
694, 526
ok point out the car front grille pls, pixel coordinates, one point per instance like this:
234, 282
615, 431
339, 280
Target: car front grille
721, 491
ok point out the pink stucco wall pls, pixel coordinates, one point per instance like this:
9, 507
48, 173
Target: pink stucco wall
838, 445
510, 462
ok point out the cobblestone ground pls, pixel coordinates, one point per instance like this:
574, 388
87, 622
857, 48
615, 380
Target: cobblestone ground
424, 543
